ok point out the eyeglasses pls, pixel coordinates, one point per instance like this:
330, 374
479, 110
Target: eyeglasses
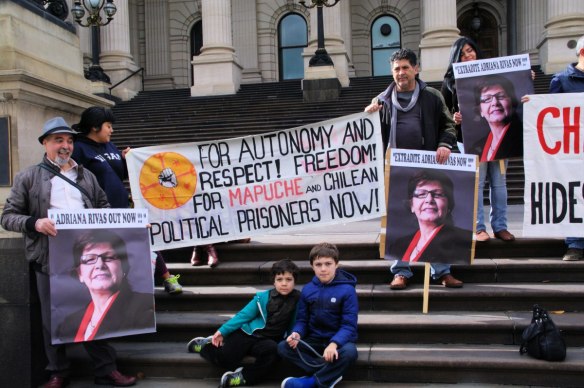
91, 258
487, 98
423, 194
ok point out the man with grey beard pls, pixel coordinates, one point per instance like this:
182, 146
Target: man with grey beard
56, 183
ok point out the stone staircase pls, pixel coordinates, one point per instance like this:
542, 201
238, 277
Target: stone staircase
172, 116
470, 335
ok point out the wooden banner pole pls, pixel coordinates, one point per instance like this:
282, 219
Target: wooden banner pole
426, 288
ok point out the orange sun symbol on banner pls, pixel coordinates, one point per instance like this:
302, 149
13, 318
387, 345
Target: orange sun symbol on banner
168, 180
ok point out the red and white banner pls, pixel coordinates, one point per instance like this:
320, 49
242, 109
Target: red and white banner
554, 165
201, 193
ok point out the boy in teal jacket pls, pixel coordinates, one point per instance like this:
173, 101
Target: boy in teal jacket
254, 331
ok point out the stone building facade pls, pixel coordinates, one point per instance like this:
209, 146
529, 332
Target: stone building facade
214, 46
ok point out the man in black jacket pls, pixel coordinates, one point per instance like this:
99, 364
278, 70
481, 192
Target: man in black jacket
414, 116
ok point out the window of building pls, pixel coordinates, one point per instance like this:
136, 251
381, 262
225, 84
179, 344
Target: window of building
292, 39
385, 40
196, 42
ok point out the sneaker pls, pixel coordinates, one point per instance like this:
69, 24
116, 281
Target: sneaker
299, 382
197, 344
232, 379
172, 286
573, 254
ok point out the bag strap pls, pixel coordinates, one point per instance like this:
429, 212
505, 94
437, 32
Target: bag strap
74, 184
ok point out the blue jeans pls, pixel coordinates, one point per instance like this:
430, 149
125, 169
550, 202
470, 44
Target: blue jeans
491, 171
575, 242
328, 374
402, 268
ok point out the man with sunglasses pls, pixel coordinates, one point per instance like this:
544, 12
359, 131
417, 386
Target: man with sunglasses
35, 190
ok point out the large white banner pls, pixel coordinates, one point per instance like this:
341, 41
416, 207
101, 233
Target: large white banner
201, 193
554, 165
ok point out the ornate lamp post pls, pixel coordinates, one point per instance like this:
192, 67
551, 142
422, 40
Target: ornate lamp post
320, 57
475, 22
94, 20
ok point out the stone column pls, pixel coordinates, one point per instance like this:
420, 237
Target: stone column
565, 23
438, 33
116, 59
531, 16
330, 36
245, 39
157, 67
216, 70
334, 42
347, 33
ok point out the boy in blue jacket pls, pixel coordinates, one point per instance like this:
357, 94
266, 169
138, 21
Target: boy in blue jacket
254, 331
326, 320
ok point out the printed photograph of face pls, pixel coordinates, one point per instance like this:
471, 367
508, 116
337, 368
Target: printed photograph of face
490, 105
97, 271
430, 202
101, 268
430, 215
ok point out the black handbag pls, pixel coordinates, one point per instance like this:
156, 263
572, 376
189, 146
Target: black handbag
542, 339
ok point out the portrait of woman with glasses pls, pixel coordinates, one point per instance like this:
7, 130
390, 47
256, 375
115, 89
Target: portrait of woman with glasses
101, 264
430, 199
496, 103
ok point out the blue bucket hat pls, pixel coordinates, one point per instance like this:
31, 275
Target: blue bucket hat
55, 125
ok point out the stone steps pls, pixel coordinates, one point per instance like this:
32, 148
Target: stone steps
362, 247
386, 362
505, 270
378, 297
404, 327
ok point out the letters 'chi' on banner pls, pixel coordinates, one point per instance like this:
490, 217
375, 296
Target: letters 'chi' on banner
554, 160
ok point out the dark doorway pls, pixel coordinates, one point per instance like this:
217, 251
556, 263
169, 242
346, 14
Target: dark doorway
196, 44
486, 36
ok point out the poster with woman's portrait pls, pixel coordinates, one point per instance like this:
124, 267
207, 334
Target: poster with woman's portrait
101, 275
489, 94
430, 208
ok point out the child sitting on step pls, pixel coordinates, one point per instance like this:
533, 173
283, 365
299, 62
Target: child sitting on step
323, 339
254, 331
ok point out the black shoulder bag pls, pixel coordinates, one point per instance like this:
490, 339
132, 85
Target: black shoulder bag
542, 339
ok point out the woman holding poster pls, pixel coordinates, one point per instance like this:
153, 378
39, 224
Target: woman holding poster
101, 264
94, 150
466, 50
430, 196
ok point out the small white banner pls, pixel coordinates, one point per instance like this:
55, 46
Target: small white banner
99, 218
